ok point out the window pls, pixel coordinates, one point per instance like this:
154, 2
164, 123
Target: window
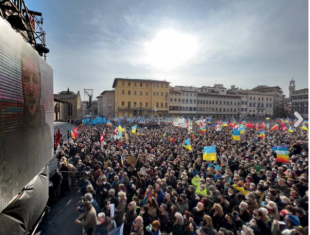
157, 104
182, 100
254, 104
190, 101
154, 84
254, 98
166, 85
162, 94
128, 83
123, 83
179, 100
235, 110
153, 93
166, 105
135, 84
220, 109
141, 84
223, 109
167, 94
251, 98
186, 101
123, 92
242, 102
147, 93
146, 104
216, 109
135, 93
128, 92
216, 103
69, 109
140, 104
212, 102
157, 84
262, 98
140, 92
162, 105
146, 85
134, 104
220, 102
162, 85
123, 103
157, 93
175, 100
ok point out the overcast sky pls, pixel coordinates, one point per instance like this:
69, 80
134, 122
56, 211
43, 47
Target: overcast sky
243, 43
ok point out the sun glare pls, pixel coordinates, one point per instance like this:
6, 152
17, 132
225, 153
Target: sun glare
170, 49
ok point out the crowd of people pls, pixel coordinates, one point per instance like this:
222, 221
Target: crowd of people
156, 186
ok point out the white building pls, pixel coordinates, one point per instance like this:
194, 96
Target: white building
300, 102
106, 103
188, 99
216, 101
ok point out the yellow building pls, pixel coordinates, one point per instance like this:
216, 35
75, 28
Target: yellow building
137, 97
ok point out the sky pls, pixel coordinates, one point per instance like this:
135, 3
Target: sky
190, 43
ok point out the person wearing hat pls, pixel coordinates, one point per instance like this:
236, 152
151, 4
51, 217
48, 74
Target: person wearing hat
102, 224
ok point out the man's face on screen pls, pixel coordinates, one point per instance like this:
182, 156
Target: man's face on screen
31, 84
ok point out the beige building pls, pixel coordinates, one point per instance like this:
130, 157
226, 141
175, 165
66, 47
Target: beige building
137, 97
106, 103
74, 103
216, 101
278, 98
256, 104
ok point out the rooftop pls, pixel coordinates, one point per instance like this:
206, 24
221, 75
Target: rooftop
137, 80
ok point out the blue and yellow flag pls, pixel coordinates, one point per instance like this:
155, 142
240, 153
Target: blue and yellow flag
188, 145
134, 129
164, 135
209, 153
242, 129
121, 127
237, 135
304, 127
290, 130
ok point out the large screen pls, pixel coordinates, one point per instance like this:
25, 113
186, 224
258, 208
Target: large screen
26, 113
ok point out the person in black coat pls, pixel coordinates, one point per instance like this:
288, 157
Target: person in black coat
102, 224
232, 198
163, 218
147, 218
258, 216
191, 197
198, 213
64, 170
229, 223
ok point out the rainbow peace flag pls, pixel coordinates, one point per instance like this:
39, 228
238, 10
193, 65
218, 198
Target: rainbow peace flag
147, 196
237, 135
209, 153
72, 134
262, 134
109, 123
282, 154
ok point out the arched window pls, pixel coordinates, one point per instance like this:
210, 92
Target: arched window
69, 109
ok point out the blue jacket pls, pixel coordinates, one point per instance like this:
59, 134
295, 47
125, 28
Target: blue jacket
160, 197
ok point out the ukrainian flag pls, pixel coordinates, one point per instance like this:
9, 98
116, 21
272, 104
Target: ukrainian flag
121, 127
188, 145
236, 135
134, 129
242, 129
304, 127
165, 134
224, 124
209, 153
267, 118
290, 130
282, 154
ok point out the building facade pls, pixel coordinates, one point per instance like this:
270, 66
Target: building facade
187, 99
74, 103
256, 104
175, 102
136, 97
300, 102
278, 98
106, 103
216, 101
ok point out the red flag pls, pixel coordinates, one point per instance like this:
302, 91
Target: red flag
102, 137
57, 138
75, 133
